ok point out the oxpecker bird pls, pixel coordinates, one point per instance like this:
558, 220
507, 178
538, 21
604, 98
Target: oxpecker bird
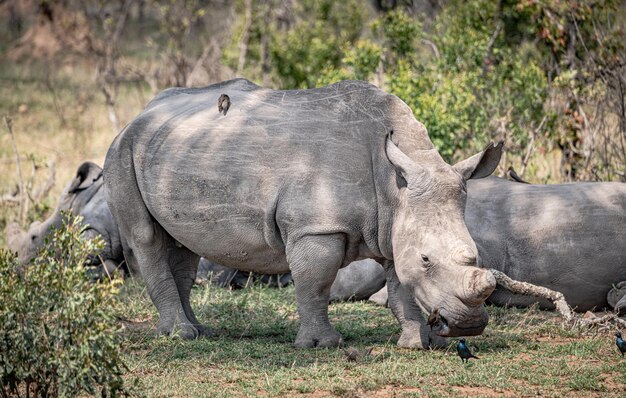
621, 344
464, 351
223, 103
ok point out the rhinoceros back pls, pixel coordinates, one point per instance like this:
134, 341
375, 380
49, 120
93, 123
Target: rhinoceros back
279, 165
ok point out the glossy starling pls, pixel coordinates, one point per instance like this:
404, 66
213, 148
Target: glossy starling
223, 103
621, 344
464, 351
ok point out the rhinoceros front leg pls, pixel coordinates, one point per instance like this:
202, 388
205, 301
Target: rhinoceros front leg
314, 261
415, 332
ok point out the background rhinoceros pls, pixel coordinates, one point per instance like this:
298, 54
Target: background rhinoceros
219, 275
566, 237
84, 196
303, 181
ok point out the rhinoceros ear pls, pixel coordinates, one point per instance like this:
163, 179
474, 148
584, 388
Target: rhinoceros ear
86, 174
482, 164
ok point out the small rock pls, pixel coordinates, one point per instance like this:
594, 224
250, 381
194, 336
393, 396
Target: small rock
589, 315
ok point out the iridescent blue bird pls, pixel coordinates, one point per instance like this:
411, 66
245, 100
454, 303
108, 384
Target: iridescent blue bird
621, 344
464, 351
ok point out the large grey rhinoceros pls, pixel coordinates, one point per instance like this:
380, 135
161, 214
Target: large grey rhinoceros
305, 181
84, 196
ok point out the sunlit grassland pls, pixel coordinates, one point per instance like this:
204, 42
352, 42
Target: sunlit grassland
523, 352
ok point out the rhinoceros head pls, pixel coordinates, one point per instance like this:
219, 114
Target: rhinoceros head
434, 254
75, 196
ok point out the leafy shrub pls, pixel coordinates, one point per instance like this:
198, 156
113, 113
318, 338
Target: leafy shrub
58, 336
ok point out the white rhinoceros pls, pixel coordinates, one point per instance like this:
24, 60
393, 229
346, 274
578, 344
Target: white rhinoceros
303, 181
84, 196
566, 237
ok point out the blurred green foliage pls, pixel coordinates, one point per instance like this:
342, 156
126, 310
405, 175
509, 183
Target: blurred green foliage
521, 71
59, 336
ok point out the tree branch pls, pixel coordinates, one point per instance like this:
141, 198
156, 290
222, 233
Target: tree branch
23, 199
528, 289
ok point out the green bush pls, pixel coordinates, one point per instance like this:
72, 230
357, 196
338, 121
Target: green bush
58, 336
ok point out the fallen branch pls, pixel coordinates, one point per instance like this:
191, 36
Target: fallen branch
528, 289
599, 320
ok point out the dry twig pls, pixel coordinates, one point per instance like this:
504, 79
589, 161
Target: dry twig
23, 199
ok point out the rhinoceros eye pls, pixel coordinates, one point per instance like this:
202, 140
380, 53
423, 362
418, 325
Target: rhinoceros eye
425, 258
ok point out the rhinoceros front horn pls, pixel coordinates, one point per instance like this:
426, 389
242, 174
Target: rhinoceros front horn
478, 285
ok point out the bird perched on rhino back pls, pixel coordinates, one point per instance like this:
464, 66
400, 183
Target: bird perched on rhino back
464, 352
621, 344
223, 103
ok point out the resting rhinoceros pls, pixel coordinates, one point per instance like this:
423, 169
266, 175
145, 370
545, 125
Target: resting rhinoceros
219, 275
84, 196
567, 237
303, 181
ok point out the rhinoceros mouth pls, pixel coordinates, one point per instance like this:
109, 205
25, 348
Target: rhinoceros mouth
440, 325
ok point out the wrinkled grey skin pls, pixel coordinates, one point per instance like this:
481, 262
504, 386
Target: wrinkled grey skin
84, 196
305, 181
219, 275
567, 237
358, 281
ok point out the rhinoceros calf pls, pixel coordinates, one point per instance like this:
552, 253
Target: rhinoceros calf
84, 196
303, 181
567, 237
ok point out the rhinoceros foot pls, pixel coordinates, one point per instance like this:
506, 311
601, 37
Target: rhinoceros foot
412, 338
616, 297
329, 338
182, 328
436, 342
418, 336
380, 297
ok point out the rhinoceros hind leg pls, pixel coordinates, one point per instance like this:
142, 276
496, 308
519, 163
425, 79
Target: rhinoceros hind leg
184, 266
150, 247
314, 261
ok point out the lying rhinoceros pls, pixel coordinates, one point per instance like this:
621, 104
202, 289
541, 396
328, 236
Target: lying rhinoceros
219, 275
303, 181
567, 237
84, 196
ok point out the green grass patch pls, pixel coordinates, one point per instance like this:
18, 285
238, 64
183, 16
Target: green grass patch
523, 352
